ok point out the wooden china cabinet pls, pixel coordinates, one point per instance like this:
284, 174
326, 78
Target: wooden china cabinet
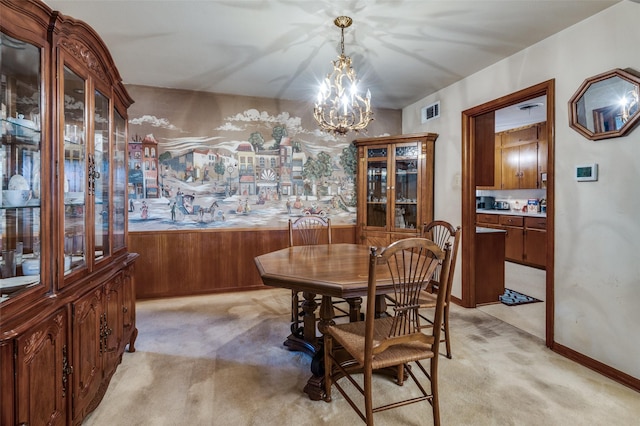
67, 300
395, 186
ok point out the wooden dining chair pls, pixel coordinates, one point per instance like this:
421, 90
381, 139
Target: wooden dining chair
441, 233
391, 341
308, 230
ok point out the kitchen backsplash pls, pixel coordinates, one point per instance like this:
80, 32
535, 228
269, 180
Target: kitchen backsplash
517, 198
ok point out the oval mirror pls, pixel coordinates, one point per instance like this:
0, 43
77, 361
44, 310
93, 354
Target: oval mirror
606, 106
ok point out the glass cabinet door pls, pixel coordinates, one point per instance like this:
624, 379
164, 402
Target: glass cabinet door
119, 180
20, 165
75, 157
377, 187
99, 176
405, 211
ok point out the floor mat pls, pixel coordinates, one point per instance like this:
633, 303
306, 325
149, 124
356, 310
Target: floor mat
512, 298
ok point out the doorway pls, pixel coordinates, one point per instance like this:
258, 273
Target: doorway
473, 128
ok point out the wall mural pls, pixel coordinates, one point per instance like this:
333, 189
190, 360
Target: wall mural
199, 160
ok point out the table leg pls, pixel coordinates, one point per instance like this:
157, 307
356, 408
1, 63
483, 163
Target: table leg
309, 319
308, 343
355, 303
326, 314
381, 305
315, 385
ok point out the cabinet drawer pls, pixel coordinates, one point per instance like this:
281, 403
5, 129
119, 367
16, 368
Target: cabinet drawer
487, 218
535, 222
512, 220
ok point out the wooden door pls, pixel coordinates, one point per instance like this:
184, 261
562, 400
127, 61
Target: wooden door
543, 159
113, 328
514, 243
485, 141
528, 162
7, 384
511, 167
536, 247
497, 169
41, 375
87, 328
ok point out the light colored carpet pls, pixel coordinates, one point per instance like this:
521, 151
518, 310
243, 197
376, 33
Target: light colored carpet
529, 317
219, 360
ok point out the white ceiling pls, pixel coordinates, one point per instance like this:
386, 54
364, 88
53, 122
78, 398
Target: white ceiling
523, 113
402, 50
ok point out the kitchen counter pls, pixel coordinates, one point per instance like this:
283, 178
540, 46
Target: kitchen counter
483, 230
511, 213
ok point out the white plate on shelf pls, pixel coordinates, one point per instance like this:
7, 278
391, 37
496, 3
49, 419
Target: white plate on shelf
8, 285
18, 182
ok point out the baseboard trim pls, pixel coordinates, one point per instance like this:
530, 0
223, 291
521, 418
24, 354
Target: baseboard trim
598, 367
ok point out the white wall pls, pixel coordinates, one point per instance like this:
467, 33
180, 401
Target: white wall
597, 224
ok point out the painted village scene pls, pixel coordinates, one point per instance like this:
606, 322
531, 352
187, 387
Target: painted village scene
278, 172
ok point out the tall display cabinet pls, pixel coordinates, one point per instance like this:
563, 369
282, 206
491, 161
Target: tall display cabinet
67, 300
395, 186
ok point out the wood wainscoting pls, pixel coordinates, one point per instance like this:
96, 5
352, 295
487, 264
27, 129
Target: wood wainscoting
185, 263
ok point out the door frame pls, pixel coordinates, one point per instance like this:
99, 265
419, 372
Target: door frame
546, 88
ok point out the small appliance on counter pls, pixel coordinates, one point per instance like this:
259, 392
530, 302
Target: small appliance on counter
501, 205
485, 203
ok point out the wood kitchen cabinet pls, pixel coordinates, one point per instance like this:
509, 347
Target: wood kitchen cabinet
535, 241
520, 135
522, 158
525, 239
520, 166
395, 186
495, 166
489, 265
68, 307
543, 155
487, 152
488, 220
514, 240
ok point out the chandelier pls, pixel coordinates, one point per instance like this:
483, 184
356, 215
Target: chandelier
340, 108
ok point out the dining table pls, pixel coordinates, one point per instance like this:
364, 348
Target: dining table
328, 270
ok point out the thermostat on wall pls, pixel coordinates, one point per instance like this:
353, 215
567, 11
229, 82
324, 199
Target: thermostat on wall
587, 172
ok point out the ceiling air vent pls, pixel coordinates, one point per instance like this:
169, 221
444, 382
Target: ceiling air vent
430, 112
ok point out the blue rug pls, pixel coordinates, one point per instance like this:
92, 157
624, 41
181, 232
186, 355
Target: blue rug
512, 298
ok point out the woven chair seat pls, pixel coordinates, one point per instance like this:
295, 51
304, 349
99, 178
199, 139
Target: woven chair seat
351, 336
